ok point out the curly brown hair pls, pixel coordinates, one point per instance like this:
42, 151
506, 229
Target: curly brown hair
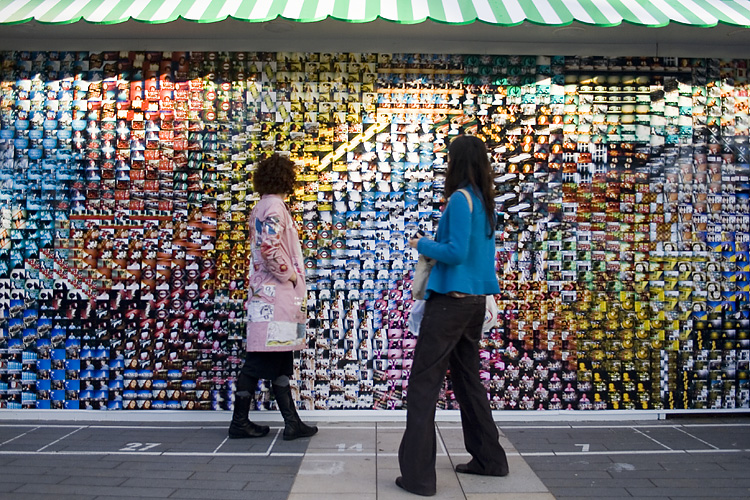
275, 175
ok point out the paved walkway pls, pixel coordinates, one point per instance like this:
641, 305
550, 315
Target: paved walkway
681, 458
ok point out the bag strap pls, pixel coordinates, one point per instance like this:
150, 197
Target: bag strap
468, 198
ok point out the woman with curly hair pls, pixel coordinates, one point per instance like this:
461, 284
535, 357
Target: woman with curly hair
277, 303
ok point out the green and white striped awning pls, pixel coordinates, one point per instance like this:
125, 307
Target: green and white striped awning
704, 13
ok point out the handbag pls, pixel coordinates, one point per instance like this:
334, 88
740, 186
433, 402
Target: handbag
490, 314
415, 316
421, 276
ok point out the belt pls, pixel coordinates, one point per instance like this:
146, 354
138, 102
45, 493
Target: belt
460, 295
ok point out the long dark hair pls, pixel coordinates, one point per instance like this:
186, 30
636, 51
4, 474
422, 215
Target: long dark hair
468, 165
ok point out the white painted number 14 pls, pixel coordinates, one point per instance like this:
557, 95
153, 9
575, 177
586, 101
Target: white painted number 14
139, 446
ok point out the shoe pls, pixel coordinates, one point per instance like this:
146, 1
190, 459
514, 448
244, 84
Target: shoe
400, 484
247, 429
241, 427
294, 427
467, 469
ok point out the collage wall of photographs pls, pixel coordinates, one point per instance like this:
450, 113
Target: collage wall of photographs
622, 246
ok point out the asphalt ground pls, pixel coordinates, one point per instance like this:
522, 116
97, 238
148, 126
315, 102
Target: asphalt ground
682, 458
685, 458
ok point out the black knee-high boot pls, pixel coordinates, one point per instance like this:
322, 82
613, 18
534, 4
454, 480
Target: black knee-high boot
241, 426
293, 427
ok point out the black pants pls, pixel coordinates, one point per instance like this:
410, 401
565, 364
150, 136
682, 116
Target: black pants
448, 338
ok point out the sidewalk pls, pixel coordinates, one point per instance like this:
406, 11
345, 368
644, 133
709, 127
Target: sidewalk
363, 460
676, 458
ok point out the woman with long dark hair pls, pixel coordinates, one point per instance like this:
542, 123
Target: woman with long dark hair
449, 334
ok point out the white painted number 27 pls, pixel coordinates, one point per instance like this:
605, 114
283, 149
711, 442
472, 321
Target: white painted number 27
139, 446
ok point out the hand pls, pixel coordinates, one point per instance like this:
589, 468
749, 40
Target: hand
293, 279
413, 242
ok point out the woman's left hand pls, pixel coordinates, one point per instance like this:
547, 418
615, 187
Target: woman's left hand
413, 242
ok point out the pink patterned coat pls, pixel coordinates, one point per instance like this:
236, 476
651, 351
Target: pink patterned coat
277, 308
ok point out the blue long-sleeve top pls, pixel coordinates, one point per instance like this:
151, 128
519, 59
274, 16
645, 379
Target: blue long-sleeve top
463, 249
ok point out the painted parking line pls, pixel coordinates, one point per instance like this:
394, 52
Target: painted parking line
651, 438
60, 439
628, 452
383, 427
158, 427
39, 426
364, 454
697, 438
716, 425
142, 440
619, 438
624, 426
36, 438
152, 453
124, 445
734, 437
127, 440
216, 450
19, 436
273, 443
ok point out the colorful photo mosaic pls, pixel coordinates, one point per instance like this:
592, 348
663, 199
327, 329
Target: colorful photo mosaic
622, 246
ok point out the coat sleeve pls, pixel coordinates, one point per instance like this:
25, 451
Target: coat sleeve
453, 249
269, 233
